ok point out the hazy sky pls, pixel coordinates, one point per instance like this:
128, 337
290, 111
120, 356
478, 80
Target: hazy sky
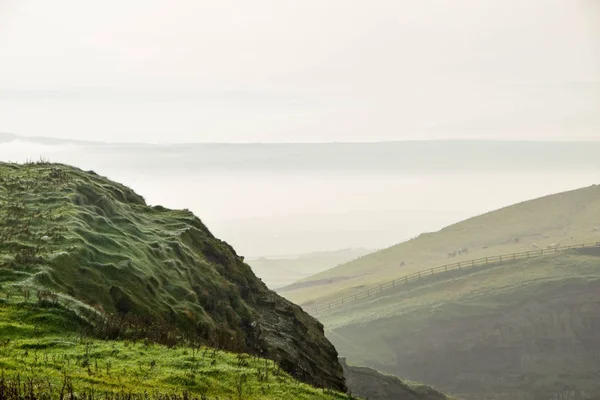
311, 70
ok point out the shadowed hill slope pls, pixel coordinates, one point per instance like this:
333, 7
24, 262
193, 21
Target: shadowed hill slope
566, 218
371, 384
527, 330
103, 251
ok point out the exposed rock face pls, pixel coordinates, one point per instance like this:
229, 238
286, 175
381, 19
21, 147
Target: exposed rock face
373, 385
96, 242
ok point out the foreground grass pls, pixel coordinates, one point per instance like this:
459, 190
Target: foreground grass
37, 351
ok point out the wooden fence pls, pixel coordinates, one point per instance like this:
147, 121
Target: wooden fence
457, 266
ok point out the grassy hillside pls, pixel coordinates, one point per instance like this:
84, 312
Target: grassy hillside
528, 329
94, 247
565, 218
280, 271
44, 353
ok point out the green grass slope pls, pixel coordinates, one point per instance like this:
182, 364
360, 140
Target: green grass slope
528, 329
93, 246
566, 218
43, 357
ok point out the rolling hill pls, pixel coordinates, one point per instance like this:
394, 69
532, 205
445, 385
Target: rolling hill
524, 329
566, 218
528, 329
92, 246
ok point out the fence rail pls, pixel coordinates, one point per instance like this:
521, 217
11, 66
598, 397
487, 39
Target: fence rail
457, 266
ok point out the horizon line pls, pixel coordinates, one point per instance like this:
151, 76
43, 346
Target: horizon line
495, 140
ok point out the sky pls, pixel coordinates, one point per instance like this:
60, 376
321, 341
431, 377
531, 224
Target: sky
287, 71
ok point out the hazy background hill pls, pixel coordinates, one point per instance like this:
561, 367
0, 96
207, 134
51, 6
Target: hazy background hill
566, 218
280, 271
525, 329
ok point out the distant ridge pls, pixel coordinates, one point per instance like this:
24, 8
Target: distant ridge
7, 137
380, 157
10, 137
52, 140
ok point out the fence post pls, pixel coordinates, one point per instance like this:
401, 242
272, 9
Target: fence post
354, 297
445, 268
527, 254
472, 263
419, 274
431, 271
514, 256
486, 261
500, 258
342, 301
459, 265
406, 279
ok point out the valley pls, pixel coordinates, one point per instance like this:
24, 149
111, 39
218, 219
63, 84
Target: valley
300, 200
500, 306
